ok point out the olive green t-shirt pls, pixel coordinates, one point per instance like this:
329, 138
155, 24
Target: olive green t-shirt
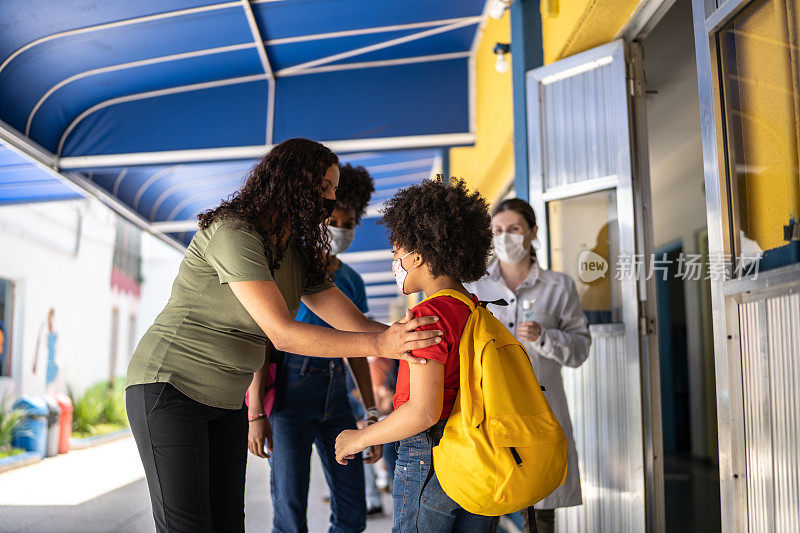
204, 342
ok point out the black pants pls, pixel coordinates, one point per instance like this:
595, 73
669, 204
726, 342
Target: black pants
539, 520
194, 458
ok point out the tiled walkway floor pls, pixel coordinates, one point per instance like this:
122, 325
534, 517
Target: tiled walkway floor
102, 489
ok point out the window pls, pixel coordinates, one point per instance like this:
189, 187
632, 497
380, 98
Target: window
126, 269
760, 82
6, 310
583, 230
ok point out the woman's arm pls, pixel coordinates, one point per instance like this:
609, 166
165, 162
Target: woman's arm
360, 368
332, 306
264, 302
256, 391
420, 412
259, 430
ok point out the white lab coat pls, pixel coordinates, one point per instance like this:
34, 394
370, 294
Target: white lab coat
564, 340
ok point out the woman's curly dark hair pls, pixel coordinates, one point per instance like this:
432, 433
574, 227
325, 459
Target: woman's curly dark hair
284, 191
445, 223
355, 189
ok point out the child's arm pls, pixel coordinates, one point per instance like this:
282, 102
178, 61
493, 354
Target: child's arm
420, 412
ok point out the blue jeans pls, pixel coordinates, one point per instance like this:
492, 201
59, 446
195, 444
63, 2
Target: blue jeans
311, 407
418, 500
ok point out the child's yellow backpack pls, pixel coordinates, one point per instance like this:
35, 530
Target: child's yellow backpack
502, 448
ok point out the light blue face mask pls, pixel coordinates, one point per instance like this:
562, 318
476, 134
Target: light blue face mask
340, 239
400, 273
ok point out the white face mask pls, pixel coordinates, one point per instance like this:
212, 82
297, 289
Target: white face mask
400, 273
340, 239
510, 248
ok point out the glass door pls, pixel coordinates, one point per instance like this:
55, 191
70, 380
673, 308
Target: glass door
584, 119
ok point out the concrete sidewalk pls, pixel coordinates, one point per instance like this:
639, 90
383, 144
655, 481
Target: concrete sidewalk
102, 489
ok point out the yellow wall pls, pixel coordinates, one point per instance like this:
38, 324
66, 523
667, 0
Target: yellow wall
572, 26
489, 164
765, 101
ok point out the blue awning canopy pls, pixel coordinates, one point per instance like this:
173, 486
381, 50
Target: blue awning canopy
159, 107
180, 81
23, 180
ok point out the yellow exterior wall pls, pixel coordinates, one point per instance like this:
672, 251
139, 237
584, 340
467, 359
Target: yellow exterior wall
489, 164
572, 26
766, 101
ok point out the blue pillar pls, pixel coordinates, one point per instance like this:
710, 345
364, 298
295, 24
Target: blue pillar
526, 54
445, 155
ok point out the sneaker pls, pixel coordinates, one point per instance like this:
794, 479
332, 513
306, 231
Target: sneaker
375, 510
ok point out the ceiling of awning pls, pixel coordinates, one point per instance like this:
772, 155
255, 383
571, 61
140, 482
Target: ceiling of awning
117, 78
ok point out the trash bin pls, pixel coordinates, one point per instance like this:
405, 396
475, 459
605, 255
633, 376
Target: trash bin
31, 432
52, 424
65, 423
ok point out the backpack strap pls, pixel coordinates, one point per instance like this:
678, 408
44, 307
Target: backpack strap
454, 294
499, 301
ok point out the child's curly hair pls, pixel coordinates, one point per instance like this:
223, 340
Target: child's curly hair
355, 189
445, 223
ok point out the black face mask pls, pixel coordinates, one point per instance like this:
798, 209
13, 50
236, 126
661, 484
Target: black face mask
329, 206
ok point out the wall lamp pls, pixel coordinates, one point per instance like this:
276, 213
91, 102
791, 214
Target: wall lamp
501, 50
498, 7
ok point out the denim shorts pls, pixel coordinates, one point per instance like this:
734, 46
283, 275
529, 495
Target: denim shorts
419, 503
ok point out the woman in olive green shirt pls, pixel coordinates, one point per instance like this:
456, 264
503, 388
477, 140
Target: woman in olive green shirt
238, 288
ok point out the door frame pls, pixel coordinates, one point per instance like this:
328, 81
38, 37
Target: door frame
709, 17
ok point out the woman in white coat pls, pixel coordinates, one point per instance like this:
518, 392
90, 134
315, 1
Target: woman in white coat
544, 313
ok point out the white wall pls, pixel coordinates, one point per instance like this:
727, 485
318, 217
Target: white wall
160, 263
39, 252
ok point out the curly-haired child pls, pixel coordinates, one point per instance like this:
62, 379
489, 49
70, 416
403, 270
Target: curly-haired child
440, 234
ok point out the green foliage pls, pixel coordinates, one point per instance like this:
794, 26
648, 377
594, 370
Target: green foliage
10, 451
9, 418
100, 409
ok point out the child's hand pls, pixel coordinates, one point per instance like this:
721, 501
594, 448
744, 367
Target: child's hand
348, 445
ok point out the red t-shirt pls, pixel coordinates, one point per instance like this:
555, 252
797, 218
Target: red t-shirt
453, 316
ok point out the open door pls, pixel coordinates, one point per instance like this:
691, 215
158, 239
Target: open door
589, 179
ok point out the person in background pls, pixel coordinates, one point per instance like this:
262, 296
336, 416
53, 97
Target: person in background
385, 398
51, 337
312, 402
440, 238
546, 316
355, 397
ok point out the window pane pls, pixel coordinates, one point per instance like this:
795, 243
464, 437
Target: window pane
761, 85
6, 294
580, 225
